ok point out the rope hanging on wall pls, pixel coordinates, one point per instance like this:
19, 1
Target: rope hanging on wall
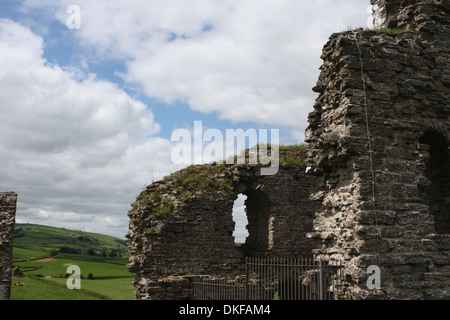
370, 148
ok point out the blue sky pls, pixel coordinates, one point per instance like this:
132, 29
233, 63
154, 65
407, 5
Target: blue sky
62, 48
87, 114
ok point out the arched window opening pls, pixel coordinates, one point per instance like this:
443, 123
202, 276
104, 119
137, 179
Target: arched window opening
251, 214
240, 232
437, 194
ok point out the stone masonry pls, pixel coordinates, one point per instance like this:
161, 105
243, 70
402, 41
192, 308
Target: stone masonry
183, 226
8, 203
376, 191
379, 142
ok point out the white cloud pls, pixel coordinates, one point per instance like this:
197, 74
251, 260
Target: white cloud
257, 60
73, 150
77, 147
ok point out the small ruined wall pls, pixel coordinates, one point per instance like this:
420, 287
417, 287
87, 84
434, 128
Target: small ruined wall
183, 225
8, 203
379, 142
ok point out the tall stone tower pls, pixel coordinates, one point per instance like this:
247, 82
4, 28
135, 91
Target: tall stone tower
409, 14
379, 142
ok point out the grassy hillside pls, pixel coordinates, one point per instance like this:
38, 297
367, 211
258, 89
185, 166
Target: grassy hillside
32, 236
43, 255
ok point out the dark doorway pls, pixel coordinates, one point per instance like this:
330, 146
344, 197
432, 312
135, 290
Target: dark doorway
437, 194
258, 209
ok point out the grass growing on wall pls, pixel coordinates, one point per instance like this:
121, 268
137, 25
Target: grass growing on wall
394, 31
200, 178
208, 178
163, 210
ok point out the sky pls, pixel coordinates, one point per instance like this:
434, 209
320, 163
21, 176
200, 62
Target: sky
89, 98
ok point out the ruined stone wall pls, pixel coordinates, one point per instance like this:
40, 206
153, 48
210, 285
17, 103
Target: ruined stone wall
379, 141
379, 173
183, 225
8, 203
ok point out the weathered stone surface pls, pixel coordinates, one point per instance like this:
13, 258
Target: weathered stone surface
8, 203
183, 225
378, 166
379, 141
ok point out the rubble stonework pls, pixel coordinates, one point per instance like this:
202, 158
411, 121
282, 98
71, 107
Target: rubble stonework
379, 141
183, 225
378, 179
410, 14
8, 203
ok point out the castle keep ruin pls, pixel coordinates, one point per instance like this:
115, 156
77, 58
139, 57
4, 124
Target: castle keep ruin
377, 191
8, 202
379, 142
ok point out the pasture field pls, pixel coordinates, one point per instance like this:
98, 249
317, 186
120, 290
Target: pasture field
44, 269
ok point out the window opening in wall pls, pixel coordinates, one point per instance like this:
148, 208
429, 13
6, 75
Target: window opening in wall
437, 194
240, 233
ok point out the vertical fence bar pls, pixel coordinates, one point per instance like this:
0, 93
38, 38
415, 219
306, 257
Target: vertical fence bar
321, 286
268, 284
282, 282
291, 278
302, 287
310, 279
296, 279
216, 286
291, 284
316, 278
295, 297
288, 279
272, 281
263, 278
254, 279
253, 283
326, 282
262, 266
246, 278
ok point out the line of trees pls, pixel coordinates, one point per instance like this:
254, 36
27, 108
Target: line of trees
104, 252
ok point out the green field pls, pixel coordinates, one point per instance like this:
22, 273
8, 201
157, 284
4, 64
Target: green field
37, 254
31, 236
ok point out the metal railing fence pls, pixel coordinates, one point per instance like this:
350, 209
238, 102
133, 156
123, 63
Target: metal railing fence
276, 279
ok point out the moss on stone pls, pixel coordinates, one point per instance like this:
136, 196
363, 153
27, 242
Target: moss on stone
164, 210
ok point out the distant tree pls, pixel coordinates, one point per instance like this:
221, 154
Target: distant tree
65, 249
113, 253
104, 252
19, 233
54, 252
